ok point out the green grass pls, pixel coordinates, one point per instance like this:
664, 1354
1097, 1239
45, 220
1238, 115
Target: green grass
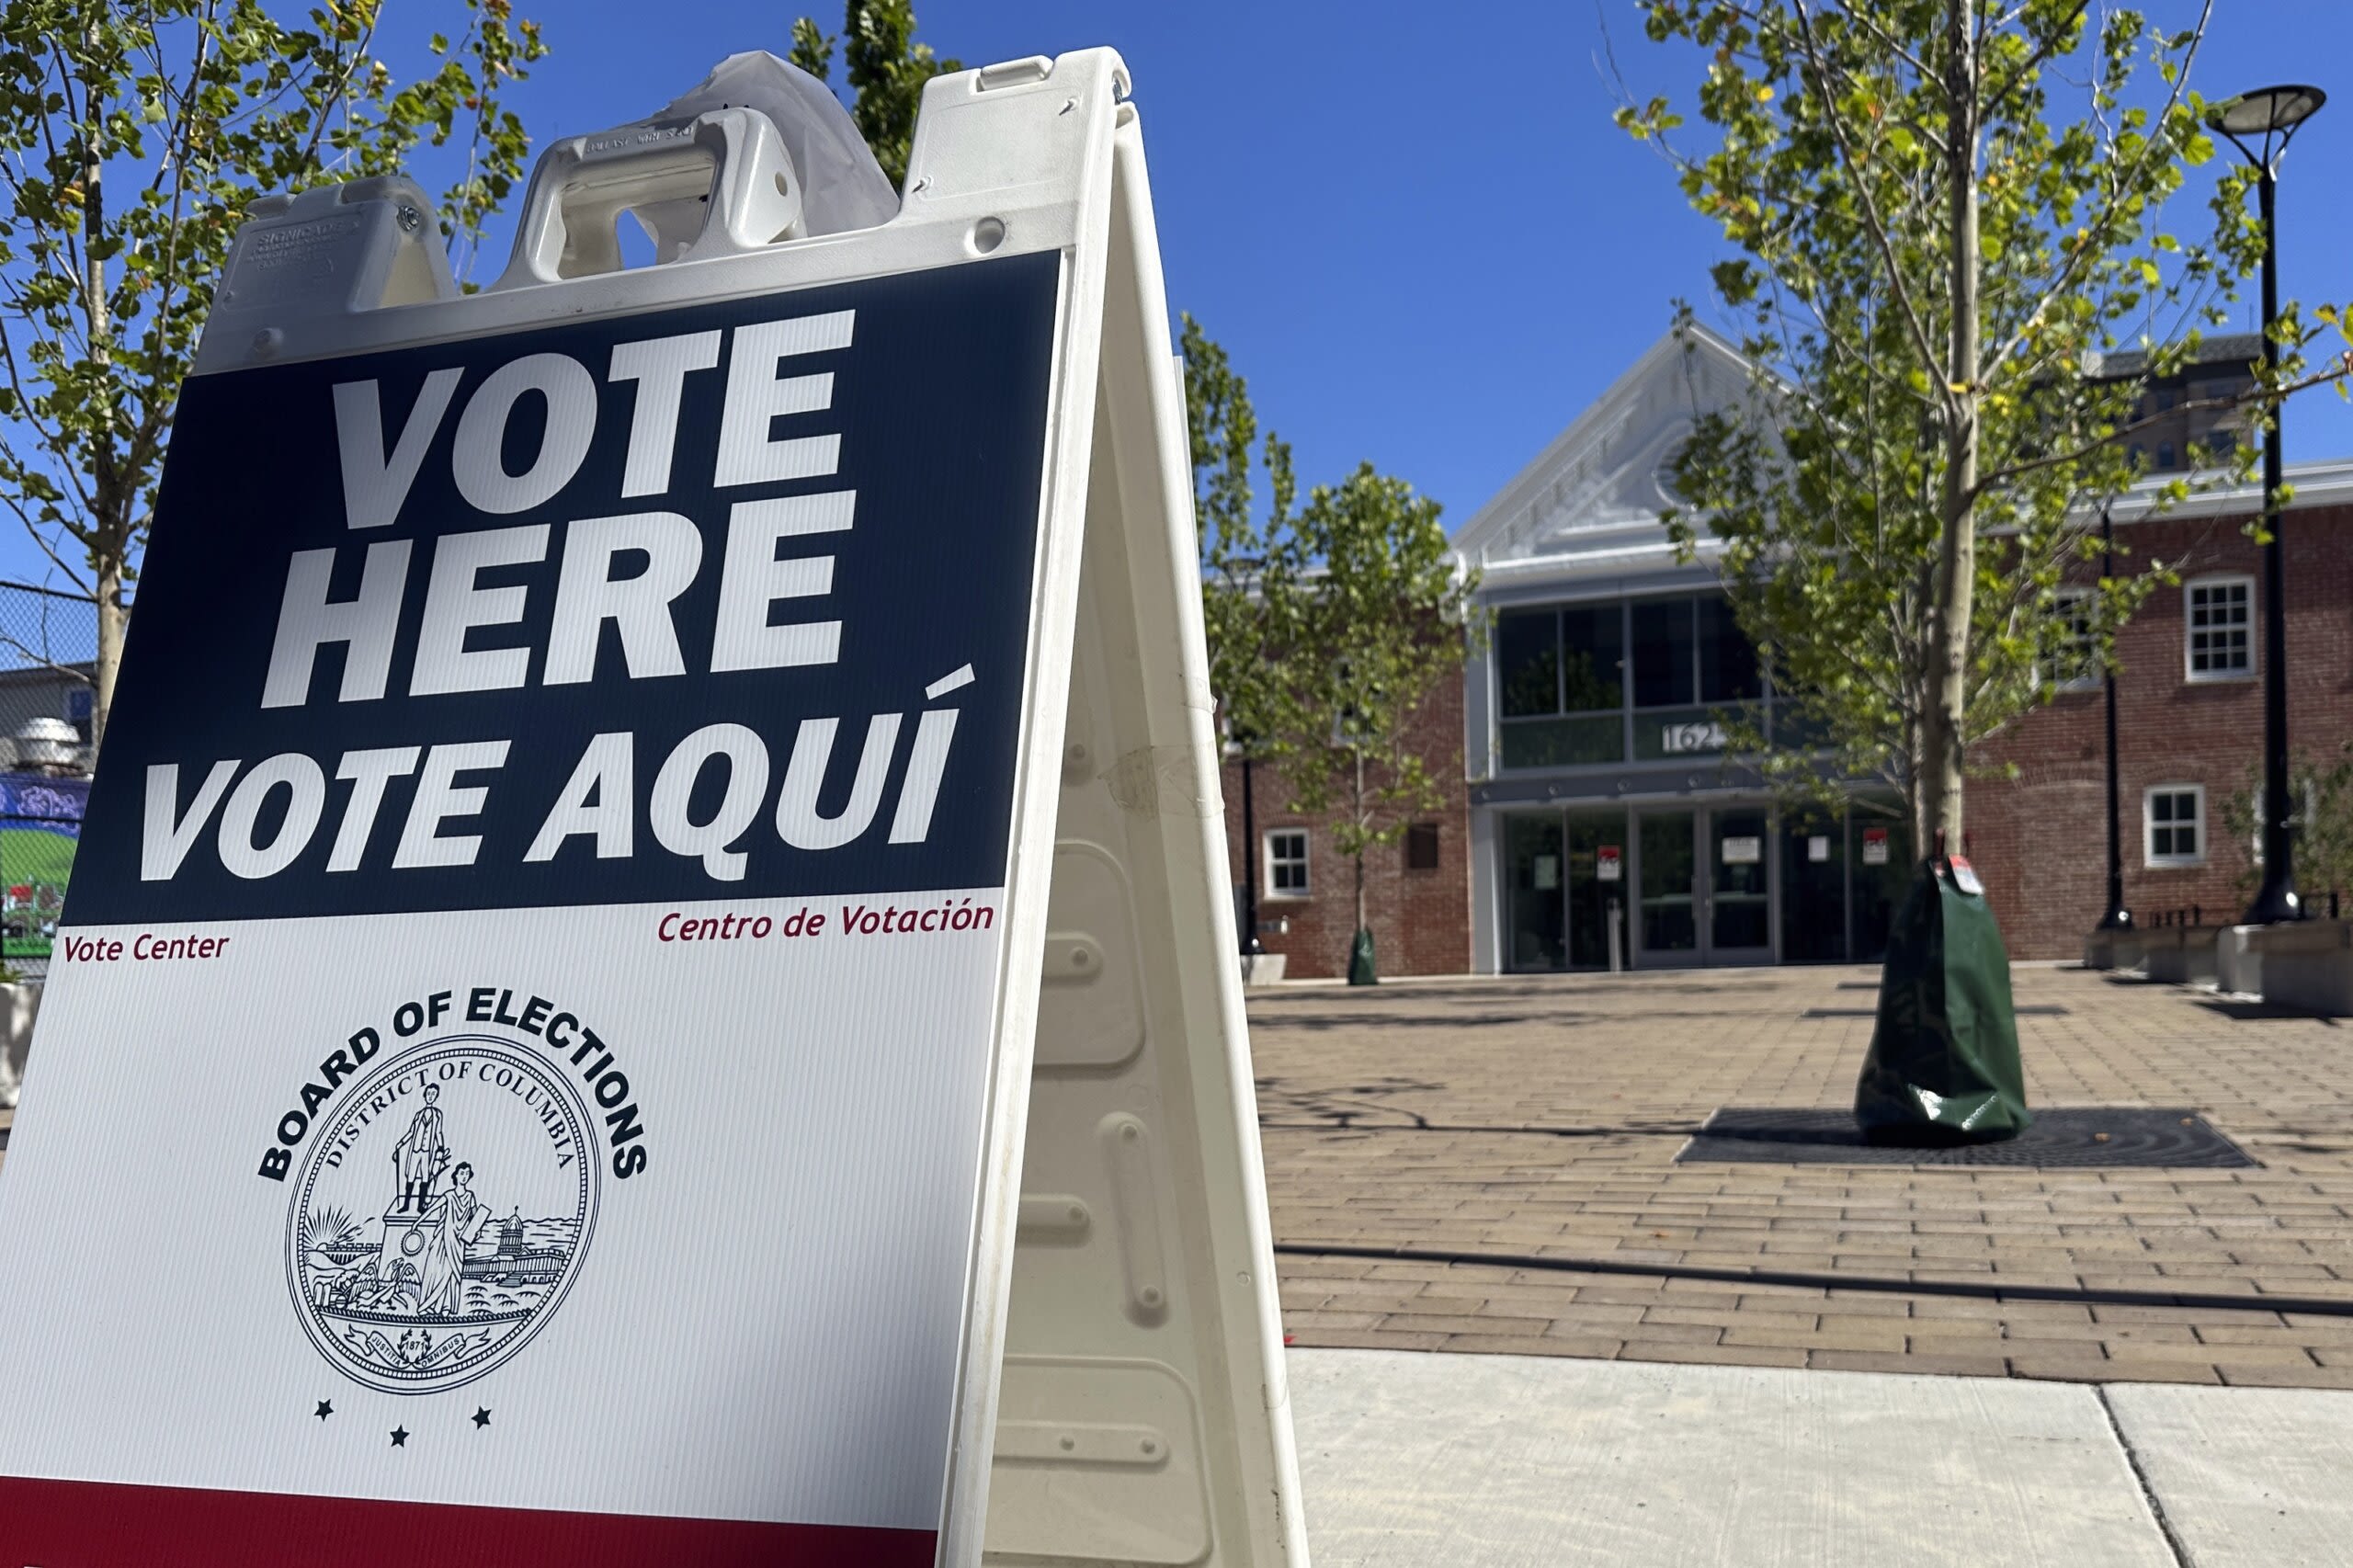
34, 855
31, 856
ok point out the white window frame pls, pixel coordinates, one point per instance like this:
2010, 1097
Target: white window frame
1269, 859
2064, 603
2304, 818
2149, 856
2189, 670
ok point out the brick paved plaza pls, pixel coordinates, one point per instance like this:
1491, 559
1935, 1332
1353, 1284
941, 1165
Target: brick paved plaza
1541, 1116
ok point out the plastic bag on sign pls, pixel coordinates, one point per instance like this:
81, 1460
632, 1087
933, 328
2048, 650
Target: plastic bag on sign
1943, 1065
842, 188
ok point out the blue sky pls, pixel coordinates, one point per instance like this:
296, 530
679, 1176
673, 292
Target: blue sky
1425, 246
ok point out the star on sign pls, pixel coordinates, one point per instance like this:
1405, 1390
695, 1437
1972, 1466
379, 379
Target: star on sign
400, 1436
480, 1416
325, 1409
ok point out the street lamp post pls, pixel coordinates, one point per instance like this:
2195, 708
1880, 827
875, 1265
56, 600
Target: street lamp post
2261, 124
1251, 945
2118, 917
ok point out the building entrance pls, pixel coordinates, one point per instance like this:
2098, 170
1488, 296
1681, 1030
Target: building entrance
1707, 878
1565, 873
1719, 883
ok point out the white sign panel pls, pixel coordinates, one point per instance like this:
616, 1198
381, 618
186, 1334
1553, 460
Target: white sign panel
1610, 864
1675, 739
1743, 850
526, 997
1817, 848
1874, 847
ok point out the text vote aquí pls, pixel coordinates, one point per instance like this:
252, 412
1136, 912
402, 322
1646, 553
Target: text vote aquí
626, 566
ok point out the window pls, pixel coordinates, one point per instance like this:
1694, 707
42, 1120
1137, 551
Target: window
2174, 825
2219, 622
1593, 659
2074, 656
2165, 454
1560, 678
1728, 670
1564, 678
1560, 661
1527, 662
1286, 863
2304, 819
1663, 654
1421, 846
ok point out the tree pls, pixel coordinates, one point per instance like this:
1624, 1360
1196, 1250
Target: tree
1932, 259
1328, 625
1384, 616
1248, 594
887, 70
132, 139
1250, 582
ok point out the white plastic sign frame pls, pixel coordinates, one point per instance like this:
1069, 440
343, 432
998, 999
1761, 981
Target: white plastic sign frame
474, 876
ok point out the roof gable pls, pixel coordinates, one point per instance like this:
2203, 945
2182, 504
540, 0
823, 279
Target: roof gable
1598, 485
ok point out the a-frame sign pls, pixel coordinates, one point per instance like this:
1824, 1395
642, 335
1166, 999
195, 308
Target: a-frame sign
650, 977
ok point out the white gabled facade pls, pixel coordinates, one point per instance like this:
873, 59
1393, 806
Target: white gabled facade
1582, 525
1582, 519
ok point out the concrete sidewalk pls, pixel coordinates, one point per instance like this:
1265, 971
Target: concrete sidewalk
1506, 1461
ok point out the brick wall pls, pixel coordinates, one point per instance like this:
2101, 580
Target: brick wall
2040, 841
1420, 919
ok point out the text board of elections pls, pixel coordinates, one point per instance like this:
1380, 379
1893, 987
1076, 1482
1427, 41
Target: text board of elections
537, 1061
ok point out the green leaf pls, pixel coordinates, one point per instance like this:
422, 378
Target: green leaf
1875, 438
190, 111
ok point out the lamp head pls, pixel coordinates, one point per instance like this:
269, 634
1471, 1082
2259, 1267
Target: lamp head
2265, 110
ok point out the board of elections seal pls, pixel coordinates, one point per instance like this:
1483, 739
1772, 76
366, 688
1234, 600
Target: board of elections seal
442, 1214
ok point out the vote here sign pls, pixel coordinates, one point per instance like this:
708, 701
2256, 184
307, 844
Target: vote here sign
515, 1068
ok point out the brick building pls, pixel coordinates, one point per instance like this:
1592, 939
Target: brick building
1417, 890
1599, 821
2189, 725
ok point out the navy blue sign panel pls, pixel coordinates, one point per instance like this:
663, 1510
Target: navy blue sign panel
722, 601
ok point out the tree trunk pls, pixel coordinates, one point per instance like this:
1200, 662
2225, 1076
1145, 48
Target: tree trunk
109, 524
112, 620
1916, 797
1942, 760
1357, 805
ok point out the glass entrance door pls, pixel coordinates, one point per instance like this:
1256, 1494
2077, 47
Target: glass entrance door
1707, 880
1562, 873
1596, 864
1669, 872
1813, 886
1883, 868
1740, 906
1534, 930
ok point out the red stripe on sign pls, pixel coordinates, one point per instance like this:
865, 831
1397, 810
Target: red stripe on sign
85, 1523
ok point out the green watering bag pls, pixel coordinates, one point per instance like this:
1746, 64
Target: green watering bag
1943, 1066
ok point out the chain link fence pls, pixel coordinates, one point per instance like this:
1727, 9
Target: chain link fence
47, 642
